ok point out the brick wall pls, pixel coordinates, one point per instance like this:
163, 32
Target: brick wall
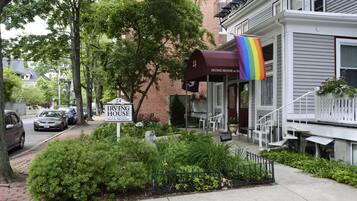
157, 100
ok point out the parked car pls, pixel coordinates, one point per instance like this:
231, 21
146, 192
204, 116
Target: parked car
85, 113
71, 115
14, 131
51, 120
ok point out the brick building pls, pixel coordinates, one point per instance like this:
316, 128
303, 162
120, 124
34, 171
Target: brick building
158, 100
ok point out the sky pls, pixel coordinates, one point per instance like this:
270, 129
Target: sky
38, 27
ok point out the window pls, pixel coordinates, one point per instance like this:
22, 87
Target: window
238, 29
219, 95
267, 92
354, 154
296, 4
14, 118
276, 7
318, 5
245, 26
8, 120
346, 60
268, 52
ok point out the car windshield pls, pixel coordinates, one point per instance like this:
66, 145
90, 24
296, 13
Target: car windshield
50, 114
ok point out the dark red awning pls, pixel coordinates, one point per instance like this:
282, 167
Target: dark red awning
216, 64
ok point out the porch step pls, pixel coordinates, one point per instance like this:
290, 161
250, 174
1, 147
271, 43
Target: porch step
279, 143
289, 137
294, 129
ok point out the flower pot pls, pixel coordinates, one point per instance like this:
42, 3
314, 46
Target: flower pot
233, 128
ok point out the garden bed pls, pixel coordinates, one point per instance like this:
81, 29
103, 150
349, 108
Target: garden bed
97, 165
319, 167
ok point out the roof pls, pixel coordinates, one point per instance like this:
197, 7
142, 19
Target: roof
216, 64
19, 67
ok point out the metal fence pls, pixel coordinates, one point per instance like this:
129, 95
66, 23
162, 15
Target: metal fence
250, 170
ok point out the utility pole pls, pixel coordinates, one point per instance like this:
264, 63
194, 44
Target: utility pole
59, 86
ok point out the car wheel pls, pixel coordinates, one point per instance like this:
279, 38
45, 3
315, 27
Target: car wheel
62, 127
35, 129
22, 141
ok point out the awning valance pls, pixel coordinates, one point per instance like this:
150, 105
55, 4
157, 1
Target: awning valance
216, 64
319, 140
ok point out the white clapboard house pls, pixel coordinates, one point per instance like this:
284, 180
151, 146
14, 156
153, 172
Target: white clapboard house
305, 42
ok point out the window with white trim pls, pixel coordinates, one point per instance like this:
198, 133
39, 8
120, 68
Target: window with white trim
276, 7
245, 26
354, 154
318, 5
267, 91
218, 97
296, 4
346, 60
238, 29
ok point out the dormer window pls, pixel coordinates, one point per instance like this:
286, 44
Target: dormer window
318, 5
296, 4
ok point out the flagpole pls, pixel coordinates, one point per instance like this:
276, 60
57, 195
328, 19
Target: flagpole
207, 121
186, 109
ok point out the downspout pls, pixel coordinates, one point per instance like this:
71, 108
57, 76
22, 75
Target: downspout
284, 73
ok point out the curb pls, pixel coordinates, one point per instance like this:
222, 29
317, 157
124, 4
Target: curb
41, 143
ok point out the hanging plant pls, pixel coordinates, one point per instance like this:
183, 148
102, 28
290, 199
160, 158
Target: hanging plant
338, 88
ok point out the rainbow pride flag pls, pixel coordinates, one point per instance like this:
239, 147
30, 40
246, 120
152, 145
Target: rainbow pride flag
251, 60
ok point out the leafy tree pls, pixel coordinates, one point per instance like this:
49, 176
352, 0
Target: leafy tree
6, 172
151, 37
31, 96
64, 24
12, 85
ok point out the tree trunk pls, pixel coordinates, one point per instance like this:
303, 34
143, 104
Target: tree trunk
76, 69
89, 93
98, 96
6, 173
142, 98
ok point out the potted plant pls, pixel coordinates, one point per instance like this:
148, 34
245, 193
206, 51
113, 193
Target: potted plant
233, 125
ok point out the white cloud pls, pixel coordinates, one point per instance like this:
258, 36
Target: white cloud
38, 27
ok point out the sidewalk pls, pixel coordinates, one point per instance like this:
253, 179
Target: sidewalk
291, 185
17, 190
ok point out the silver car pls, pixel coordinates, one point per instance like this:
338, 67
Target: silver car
50, 120
14, 133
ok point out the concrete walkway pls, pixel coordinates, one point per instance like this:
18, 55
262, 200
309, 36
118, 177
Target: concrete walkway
291, 185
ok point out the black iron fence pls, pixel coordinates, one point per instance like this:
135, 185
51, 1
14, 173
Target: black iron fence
250, 170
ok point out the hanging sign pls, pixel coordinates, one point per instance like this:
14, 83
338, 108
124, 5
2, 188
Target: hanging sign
119, 110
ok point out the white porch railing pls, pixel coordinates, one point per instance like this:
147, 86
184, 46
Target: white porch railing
334, 109
276, 120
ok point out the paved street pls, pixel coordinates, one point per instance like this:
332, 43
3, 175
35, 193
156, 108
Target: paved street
32, 137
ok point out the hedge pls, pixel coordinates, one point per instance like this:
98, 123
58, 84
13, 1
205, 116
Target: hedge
336, 170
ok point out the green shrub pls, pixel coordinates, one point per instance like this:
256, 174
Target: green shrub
210, 156
80, 169
319, 167
194, 178
106, 132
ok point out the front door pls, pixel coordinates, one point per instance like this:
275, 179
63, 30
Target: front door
243, 106
232, 102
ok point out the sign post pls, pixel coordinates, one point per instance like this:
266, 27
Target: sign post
118, 110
